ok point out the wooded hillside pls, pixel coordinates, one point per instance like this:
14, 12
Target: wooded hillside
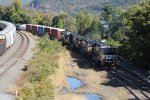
73, 6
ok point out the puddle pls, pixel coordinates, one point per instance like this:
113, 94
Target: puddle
74, 83
6, 97
92, 96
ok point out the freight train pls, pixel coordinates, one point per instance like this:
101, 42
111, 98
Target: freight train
96, 51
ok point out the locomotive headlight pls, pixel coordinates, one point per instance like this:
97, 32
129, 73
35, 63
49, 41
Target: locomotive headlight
110, 57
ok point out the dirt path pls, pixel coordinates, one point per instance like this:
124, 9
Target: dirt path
95, 81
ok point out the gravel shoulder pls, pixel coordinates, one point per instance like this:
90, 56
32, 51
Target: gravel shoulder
8, 79
95, 81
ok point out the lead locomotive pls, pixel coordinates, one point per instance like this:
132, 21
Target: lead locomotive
97, 51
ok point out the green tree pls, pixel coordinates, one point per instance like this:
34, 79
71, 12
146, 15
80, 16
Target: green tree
95, 29
58, 21
69, 24
1, 11
83, 22
116, 20
17, 4
108, 10
139, 34
112, 42
96, 25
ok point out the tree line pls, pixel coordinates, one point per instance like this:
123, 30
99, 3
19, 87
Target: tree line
126, 29
16, 14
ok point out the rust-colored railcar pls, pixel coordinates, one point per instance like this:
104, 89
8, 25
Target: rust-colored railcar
34, 29
29, 27
48, 30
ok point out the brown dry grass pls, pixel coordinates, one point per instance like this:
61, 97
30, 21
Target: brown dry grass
94, 81
59, 78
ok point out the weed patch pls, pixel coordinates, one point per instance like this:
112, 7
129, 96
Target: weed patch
38, 86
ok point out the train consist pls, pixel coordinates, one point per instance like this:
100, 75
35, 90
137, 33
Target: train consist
97, 51
7, 35
41, 30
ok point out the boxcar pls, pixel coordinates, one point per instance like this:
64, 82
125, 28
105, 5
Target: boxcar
41, 30
23, 27
29, 27
17, 26
35, 29
53, 33
59, 33
48, 30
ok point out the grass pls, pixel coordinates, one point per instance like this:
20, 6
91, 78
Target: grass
37, 85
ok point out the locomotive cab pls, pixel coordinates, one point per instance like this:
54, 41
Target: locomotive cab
108, 55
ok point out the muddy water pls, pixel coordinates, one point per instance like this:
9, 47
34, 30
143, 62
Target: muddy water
74, 83
92, 96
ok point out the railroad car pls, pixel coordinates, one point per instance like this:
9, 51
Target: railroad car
41, 30
17, 26
74, 40
9, 31
97, 51
65, 38
23, 27
20, 26
104, 55
29, 27
52, 35
56, 33
34, 29
2, 44
87, 46
59, 33
48, 30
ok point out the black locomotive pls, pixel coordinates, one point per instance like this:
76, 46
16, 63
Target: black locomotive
97, 51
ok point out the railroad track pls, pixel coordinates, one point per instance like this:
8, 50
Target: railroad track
129, 67
19, 53
132, 80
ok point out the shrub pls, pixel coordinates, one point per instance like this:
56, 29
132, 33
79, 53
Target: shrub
27, 92
112, 42
41, 67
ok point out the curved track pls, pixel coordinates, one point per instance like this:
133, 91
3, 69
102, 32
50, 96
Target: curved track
19, 53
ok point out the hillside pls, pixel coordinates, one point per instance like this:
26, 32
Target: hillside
73, 6
4, 3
